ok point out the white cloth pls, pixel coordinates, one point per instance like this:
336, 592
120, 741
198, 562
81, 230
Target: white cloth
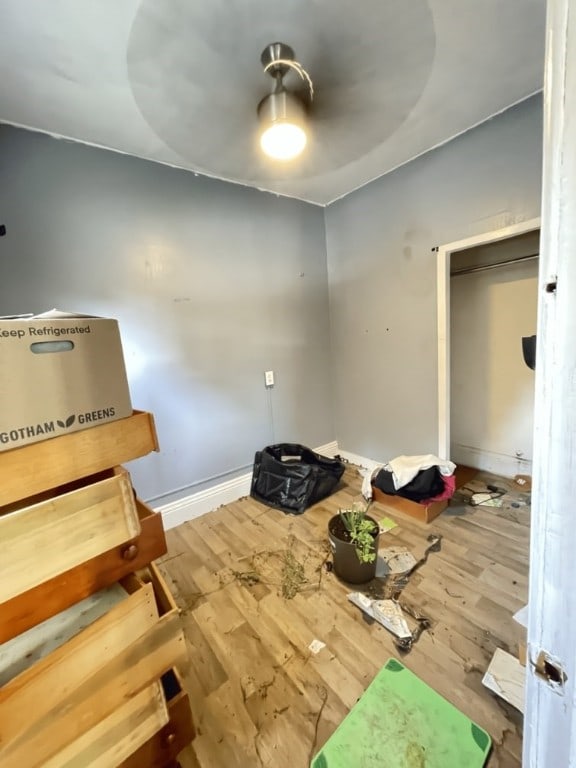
367, 481
405, 468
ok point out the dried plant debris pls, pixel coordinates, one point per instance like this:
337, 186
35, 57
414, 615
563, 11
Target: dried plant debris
293, 575
292, 569
250, 578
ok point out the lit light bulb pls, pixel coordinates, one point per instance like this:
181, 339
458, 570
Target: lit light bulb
283, 141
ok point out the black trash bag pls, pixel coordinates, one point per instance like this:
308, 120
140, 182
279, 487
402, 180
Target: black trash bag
292, 477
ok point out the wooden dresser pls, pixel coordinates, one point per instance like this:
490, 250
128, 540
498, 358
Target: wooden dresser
90, 636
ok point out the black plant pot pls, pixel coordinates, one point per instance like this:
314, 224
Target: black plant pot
347, 566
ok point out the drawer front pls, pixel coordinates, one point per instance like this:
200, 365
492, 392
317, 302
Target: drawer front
40, 466
164, 746
119, 735
55, 595
66, 694
52, 536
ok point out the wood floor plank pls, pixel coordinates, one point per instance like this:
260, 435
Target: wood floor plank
486, 583
260, 697
485, 560
209, 674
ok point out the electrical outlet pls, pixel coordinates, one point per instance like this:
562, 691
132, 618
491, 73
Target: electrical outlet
269, 378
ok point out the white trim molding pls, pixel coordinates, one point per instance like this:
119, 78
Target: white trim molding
360, 461
490, 461
197, 504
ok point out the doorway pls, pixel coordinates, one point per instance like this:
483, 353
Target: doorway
493, 305
446, 255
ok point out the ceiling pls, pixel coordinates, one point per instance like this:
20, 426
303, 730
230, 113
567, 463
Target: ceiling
178, 81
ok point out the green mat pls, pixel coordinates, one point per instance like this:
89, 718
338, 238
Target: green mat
400, 722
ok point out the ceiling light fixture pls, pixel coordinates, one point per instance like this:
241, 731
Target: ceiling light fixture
282, 113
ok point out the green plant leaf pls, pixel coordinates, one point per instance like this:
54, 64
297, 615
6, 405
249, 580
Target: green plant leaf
361, 531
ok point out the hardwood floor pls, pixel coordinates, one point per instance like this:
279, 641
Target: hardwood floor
260, 697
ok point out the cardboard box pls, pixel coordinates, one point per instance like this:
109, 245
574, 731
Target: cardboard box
424, 512
59, 373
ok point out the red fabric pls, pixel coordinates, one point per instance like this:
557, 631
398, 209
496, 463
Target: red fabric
447, 493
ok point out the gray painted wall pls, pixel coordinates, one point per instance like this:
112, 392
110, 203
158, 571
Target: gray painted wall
382, 274
212, 285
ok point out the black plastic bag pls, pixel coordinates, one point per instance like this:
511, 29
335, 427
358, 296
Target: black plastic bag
292, 477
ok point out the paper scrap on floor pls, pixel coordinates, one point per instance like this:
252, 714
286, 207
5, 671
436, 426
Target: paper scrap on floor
521, 617
385, 612
386, 524
316, 646
506, 677
524, 481
394, 560
486, 500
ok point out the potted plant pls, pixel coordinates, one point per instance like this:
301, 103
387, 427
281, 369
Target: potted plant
354, 541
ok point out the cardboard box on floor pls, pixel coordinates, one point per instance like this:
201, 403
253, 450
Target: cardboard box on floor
59, 373
424, 512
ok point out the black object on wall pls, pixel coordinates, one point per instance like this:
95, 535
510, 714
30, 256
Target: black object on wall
529, 351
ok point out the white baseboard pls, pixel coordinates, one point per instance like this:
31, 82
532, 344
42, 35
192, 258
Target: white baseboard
328, 449
489, 461
197, 504
360, 461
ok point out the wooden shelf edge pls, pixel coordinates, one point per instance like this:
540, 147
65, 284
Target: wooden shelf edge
38, 467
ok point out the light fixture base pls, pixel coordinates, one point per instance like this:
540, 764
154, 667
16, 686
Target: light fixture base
275, 52
281, 105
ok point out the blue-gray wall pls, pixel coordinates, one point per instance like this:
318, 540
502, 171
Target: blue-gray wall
382, 274
212, 284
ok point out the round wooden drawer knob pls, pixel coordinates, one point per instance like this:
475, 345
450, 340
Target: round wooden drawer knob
130, 552
170, 738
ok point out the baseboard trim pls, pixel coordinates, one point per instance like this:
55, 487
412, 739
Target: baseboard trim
360, 461
197, 504
488, 461
328, 449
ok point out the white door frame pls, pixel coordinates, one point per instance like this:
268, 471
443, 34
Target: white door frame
443, 304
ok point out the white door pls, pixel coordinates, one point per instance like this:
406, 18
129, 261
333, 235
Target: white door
550, 723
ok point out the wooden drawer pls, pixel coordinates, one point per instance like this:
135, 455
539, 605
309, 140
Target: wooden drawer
162, 749
60, 698
42, 539
58, 593
424, 512
41, 466
149, 730
119, 735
